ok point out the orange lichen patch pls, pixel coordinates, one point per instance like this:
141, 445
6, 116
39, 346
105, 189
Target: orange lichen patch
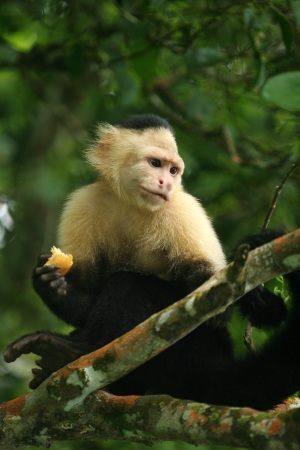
121, 348
129, 400
278, 243
275, 427
225, 424
289, 403
224, 427
268, 427
195, 418
14, 407
248, 411
86, 360
133, 340
283, 241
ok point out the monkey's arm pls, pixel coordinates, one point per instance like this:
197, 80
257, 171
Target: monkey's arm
63, 295
116, 311
260, 306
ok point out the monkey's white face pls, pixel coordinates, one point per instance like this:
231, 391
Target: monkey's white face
157, 184
151, 177
142, 168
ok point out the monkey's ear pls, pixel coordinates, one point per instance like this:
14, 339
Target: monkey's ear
102, 147
106, 140
106, 135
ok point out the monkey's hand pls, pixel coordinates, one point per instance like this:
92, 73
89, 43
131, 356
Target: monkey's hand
55, 351
47, 282
64, 295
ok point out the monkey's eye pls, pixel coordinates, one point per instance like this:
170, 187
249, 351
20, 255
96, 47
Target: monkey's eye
174, 170
155, 162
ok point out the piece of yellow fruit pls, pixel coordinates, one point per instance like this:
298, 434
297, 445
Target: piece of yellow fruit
59, 258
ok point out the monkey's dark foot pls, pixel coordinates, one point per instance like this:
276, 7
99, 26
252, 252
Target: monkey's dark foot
56, 351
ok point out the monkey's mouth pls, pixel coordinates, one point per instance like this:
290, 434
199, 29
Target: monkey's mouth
154, 194
160, 195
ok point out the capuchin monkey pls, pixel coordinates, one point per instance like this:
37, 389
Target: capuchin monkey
140, 243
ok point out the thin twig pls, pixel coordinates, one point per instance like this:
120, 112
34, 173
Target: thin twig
278, 192
231, 145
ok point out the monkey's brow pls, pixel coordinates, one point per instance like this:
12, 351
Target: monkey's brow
168, 160
175, 162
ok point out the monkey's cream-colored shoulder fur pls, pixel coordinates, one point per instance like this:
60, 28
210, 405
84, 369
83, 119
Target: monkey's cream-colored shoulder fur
193, 235
94, 221
80, 227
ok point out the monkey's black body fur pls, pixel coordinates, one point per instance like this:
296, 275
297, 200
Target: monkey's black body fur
200, 367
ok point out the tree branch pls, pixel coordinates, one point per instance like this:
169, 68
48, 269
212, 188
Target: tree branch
63, 394
147, 419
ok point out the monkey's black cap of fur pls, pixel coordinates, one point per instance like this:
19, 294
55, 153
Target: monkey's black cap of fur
144, 121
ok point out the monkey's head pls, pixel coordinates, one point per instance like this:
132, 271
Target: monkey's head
139, 160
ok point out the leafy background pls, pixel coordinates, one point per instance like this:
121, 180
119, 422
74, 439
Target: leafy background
225, 74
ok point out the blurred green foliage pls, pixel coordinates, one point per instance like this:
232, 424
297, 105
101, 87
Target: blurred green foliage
225, 74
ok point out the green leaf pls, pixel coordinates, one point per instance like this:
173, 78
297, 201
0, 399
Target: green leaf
283, 90
286, 29
204, 57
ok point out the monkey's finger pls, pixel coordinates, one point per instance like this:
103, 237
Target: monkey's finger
10, 354
39, 377
37, 343
51, 363
15, 350
42, 259
61, 291
46, 269
52, 276
59, 283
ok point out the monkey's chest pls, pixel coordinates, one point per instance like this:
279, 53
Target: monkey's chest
131, 257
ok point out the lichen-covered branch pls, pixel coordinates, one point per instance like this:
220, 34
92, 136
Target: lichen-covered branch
147, 419
62, 396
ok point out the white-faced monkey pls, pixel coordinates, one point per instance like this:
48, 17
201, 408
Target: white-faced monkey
140, 243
